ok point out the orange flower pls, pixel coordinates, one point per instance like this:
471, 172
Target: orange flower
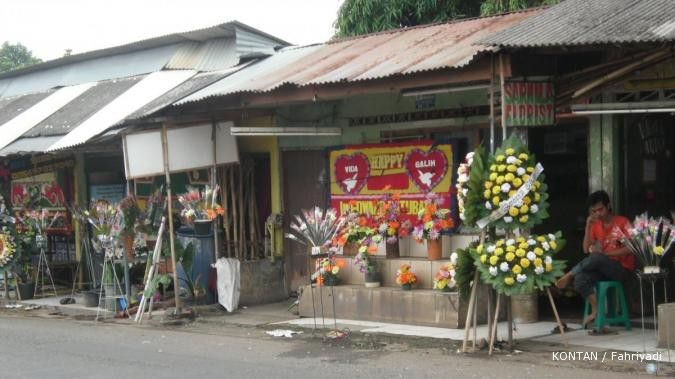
372, 249
363, 221
211, 214
394, 224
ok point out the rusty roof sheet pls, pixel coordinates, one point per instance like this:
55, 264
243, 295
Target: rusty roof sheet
592, 22
380, 55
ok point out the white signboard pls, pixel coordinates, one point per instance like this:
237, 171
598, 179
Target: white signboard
189, 148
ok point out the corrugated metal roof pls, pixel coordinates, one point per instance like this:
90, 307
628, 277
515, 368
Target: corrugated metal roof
11, 107
23, 122
82, 107
29, 145
592, 22
401, 51
145, 91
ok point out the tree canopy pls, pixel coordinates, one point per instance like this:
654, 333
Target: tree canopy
15, 56
357, 17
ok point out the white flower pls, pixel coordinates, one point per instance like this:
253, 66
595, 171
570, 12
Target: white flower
534, 208
551, 237
504, 267
469, 156
465, 191
521, 278
531, 255
520, 171
452, 272
531, 242
462, 217
511, 159
546, 246
518, 203
453, 259
548, 259
510, 242
463, 178
506, 187
488, 205
491, 249
508, 219
493, 270
539, 270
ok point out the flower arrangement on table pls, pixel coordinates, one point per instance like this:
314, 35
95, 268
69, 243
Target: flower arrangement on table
519, 265
444, 279
650, 240
327, 270
315, 228
405, 277
200, 205
387, 218
432, 220
516, 187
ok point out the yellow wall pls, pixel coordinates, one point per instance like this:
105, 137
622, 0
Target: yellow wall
267, 144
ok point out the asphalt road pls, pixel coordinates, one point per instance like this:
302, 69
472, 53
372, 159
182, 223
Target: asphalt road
32, 347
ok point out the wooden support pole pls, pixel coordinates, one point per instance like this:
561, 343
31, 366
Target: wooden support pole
469, 312
240, 206
493, 332
503, 95
225, 188
557, 317
176, 286
235, 231
509, 319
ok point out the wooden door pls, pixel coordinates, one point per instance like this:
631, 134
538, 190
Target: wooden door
305, 182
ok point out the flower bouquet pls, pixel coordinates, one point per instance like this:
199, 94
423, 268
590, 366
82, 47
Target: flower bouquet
519, 265
514, 191
405, 278
432, 220
7, 249
389, 223
199, 206
470, 178
327, 270
36, 223
444, 279
106, 221
650, 240
315, 228
130, 214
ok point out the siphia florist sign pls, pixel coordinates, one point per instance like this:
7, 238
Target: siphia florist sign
361, 174
529, 103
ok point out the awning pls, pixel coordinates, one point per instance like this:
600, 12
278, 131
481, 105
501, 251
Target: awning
148, 89
22, 123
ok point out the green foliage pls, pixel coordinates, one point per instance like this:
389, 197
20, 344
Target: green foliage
163, 279
15, 56
357, 17
473, 205
492, 7
465, 270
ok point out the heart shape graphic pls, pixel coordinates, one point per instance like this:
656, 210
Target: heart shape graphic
351, 172
426, 169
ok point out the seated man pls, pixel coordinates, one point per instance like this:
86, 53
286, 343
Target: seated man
608, 259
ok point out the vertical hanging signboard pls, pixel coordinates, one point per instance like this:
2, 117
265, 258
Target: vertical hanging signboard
362, 174
529, 103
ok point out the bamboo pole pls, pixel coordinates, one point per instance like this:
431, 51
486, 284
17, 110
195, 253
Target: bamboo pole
503, 95
557, 317
235, 231
470, 309
226, 208
492, 104
251, 208
493, 332
176, 286
214, 181
240, 205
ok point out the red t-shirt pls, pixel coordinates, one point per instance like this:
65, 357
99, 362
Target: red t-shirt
610, 239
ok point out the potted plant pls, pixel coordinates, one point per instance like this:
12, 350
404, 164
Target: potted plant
432, 220
444, 279
200, 208
25, 280
130, 212
405, 277
363, 259
389, 223
356, 227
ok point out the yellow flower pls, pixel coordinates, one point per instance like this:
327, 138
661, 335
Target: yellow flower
517, 182
494, 260
500, 179
537, 197
479, 248
525, 178
512, 193
501, 168
520, 239
538, 251
493, 176
511, 249
538, 262
511, 168
516, 269
527, 200
520, 252
549, 267
510, 256
525, 262
537, 184
541, 238
523, 156
523, 219
495, 190
510, 151
523, 245
488, 185
530, 169
493, 167
553, 245
495, 200
487, 194
483, 258
657, 250
509, 177
508, 280
524, 209
500, 158
499, 243
499, 251
513, 211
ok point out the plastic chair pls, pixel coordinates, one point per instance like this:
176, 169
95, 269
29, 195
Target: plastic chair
607, 305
